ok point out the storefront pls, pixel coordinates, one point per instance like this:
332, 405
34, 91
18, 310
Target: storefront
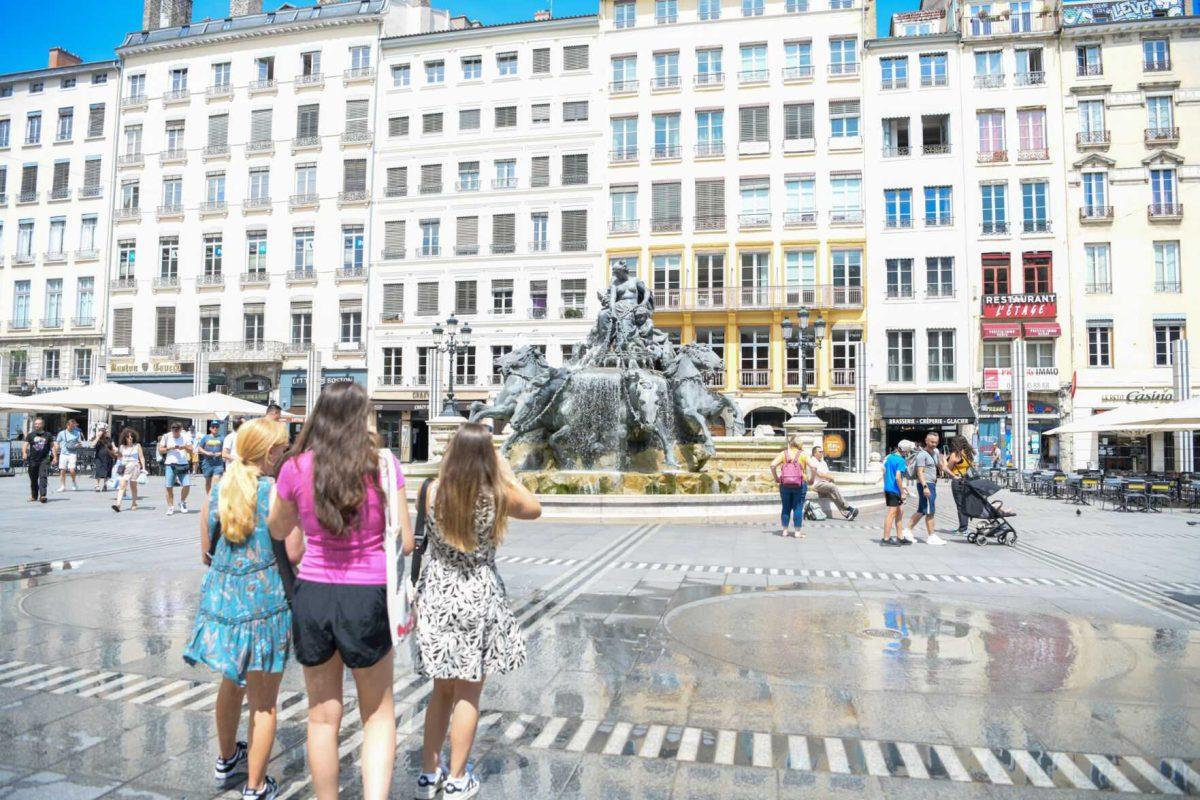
293, 385
994, 436
911, 415
403, 425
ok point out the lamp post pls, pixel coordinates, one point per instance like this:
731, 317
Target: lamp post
451, 340
807, 340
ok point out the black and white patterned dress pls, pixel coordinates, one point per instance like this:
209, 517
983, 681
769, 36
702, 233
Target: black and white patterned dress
465, 628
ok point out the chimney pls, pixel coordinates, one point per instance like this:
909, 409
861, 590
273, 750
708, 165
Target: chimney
543, 15
242, 8
165, 14
63, 58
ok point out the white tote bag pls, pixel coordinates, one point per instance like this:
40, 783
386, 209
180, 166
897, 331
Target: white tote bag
400, 591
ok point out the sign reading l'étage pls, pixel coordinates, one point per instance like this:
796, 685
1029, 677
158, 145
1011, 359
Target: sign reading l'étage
1020, 306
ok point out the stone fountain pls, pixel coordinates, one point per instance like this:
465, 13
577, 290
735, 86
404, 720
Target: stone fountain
628, 413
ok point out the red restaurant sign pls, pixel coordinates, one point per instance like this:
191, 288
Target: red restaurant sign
1020, 306
1001, 330
1040, 329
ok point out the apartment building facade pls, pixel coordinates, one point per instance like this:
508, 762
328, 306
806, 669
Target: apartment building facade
734, 184
56, 127
243, 208
920, 348
488, 174
1131, 89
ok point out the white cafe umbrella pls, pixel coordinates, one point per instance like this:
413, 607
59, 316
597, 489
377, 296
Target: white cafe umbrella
1180, 415
1125, 418
114, 398
215, 405
33, 403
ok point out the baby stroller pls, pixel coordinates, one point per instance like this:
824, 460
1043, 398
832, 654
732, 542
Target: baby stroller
992, 522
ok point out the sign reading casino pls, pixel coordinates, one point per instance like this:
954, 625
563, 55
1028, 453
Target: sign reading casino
1020, 306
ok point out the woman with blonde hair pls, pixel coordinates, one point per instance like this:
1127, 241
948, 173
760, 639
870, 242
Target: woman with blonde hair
465, 628
789, 469
244, 621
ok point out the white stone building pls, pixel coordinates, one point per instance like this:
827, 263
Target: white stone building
56, 129
487, 184
243, 195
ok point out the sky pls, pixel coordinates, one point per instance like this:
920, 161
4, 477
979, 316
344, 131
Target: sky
93, 28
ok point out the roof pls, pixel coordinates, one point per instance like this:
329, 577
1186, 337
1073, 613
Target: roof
256, 24
49, 72
498, 27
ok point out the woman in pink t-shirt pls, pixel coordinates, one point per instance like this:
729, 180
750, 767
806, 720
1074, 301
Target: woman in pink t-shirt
329, 488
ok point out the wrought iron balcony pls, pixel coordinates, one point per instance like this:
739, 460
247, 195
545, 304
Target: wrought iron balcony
27, 197
210, 281
755, 378
355, 74
664, 82
989, 81
1095, 213
213, 207
896, 152
165, 282
754, 219
23, 259
539, 246
1093, 139
298, 276
622, 87
468, 185
752, 76
262, 87
993, 228
1035, 226
707, 80
54, 256
623, 155
622, 226
306, 143
393, 253
176, 96
127, 283
1167, 212
429, 251
219, 91
131, 159
804, 72
127, 213
83, 322
1157, 65
710, 149
312, 81
431, 188
708, 222
354, 274
939, 221
260, 147
134, 101
170, 211
931, 81
1162, 135
256, 204
60, 193
1089, 70
354, 197
310, 200
1103, 287
895, 222
258, 277
665, 152
799, 219
504, 183
1168, 287
992, 157
1033, 154
87, 254
216, 151
665, 224
893, 83
846, 216
352, 138
1032, 78
538, 312
846, 69
178, 156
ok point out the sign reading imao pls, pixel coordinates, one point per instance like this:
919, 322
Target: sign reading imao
1141, 396
834, 445
1037, 379
1020, 306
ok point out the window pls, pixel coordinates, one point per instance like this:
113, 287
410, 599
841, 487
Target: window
168, 258
991, 136
574, 230
392, 365
1095, 194
755, 195
506, 64
666, 280
1166, 267
994, 201
665, 206
435, 72
66, 124
33, 127
431, 178
468, 176
431, 237
1166, 333
1162, 191
310, 63
574, 111
710, 204
895, 72
472, 68
754, 123
899, 278
465, 297
801, 204
624, 138
1031, 127
938, 206
306, 180
1029, 67
352, 248
1020, 16
539, 113
897, 207
1097, 261
1037, 273
941, 356
350, 312
83, 364
130, 195
843, 119
666, 12
1033, 207
1100, 344
754, 62
137, 86
939, 276
50, 364
264, 69
59, 180
846, 202
354, 176
123, 328
541, 61
624, 73
843, 56
753, 8
540, 225
1156, 55
54, 299
996, 275
710, 133
393, 238
709, 66
539, 171
164, 326
126, 259
1087, 60
253, 323
215, 187
709, 10
755, 356
800, 276
666, 70
900, 356
401, 76
1091, 121
5, 133
847, 276
360, 57
506, 173
666, 135
933, 69
432, 123
624, 14
212, 255
504, 233
468, 120
21, 300
505, 116
87, 233
989, 69
1160, 118
574, 169
575, 57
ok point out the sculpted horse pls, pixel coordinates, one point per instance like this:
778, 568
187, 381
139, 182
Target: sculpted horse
525, 372
696, 404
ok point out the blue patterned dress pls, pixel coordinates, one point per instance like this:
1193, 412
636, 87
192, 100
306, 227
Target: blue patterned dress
243, 624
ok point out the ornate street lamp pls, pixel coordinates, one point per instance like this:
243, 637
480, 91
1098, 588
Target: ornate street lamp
807, 340
453, 341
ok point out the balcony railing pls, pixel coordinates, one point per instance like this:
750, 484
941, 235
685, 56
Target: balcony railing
466, 249
894, 223
216, 150
177, 96
503, 248
256, 278
210, 281
893, 83
304, 201
1035, 226
214, 207
665, 152
357, 137
131, 160
929, 81
661, 82
843, 70
705, 80
994, 228
504, 183
574, 178
799, 219
1161, 135
989, 81
219, 90
665, 224
715, 379
131, 212
623, 155
311, 81
573, 245
1163, 65
1104, 287
846, 216
265, 85
256, 203
752, 76
1089, 70
351, 274
166, 282
306, 143
710, 149
623, 87
1168, 287
430, 188
178, 156
87, 254
83, 322
538, 312
127, 283
755, 219
1096, 214
353, 197
804, 72
295, 276
755, 378
896, 152
843, 378
1165, 211
539, 246
1093, 139
60, 193
1033, 154
392, 253
622, 226
1034, 78
765, 298
429, 251
710, 222
243, 351
260, 147
27, 197
54, 256
85, 193
359, 74
992, 157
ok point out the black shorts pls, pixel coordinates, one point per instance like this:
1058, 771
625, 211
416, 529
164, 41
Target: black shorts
331, 617
891, 499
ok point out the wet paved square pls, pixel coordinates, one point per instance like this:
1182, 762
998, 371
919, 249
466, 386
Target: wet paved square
666, 660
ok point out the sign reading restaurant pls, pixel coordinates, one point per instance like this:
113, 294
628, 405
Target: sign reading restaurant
1020, 306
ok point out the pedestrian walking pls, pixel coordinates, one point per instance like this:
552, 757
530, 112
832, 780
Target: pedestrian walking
104, 456
243, 625
788, 470
465, 628
132, 464
927, 464
229, 446
175, 448
959, 463
820, 477
329, 487
212, 462
38, 452
67, 445
895, 490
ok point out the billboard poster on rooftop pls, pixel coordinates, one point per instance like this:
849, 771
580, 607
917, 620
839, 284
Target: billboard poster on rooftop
1119, 11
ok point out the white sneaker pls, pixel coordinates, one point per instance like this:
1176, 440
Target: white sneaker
430, 785
461, 789
170, 510
933, 538
906, 534
183, 507
61, 489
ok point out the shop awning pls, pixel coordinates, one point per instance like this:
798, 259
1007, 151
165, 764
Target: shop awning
1001, 330
926, 409
1042, 329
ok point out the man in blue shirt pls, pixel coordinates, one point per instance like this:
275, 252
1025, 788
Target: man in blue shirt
69, 441
895, 474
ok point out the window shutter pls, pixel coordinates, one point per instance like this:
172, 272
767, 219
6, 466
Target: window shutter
260, 125
431, 177
575, 168
754, 123
393, 301
575, 57
95, 120
665, 202
393, 238
574, 230
541, 60
468, 119
308, 119
843, 108
218, 130
398, 126
29, 178
575, 111
164, 326
539, 114
427, 299
710, 198
354, 175
62, 170
504, 232
540, 175
574, 286
3, 179
798, 121
464, 297
506, 116
123, 327
356, 116
431, 123
466, 234
397, 181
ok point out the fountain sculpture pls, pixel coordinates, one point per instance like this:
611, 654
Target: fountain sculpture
628, 402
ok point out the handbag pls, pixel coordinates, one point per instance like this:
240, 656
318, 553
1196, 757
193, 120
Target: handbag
400, 593
420, 532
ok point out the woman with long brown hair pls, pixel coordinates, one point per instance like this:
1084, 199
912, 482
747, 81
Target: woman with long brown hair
133, 463
329, 488
465, 628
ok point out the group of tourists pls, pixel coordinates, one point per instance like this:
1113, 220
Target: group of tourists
795, 471
43, 451
294, 540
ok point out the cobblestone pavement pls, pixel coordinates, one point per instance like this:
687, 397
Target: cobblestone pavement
667, 660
